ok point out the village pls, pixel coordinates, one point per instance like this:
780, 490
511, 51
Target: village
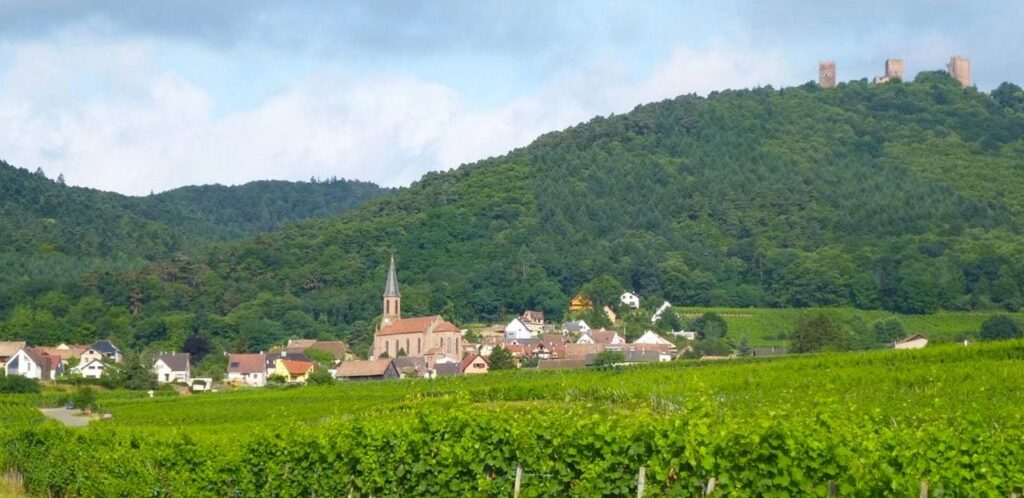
404, 347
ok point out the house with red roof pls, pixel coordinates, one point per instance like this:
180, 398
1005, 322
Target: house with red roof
248, 369
474, 364
294, 371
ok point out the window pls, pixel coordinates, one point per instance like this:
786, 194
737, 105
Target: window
419, 346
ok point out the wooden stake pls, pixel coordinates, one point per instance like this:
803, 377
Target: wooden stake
641, 481
924, 489
833, 490
519, 480
711, 486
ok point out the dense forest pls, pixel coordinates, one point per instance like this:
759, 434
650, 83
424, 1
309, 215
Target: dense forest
901, 196
39, 215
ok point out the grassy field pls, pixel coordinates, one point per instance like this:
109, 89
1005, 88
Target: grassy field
770, 326
876, 423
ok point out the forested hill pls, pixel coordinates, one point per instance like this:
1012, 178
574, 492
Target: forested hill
38, 215
903, 196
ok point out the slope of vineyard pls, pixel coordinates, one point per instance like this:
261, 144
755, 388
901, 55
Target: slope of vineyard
772, 326
874, 423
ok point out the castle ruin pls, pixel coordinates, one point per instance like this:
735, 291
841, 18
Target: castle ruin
893, 71
960, 70
827, 74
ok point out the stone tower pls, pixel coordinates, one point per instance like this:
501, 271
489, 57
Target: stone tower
960, 69
894, 69
827, 74
392, 298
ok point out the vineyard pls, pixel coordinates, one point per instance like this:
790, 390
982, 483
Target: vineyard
867, 424
770, 326
15, 412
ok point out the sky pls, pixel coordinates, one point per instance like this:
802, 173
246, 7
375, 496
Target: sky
140, 97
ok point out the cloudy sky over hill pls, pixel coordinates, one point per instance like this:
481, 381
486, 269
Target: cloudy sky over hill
146, 96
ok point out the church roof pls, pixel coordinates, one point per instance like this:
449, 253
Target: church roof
417, 324
391, 288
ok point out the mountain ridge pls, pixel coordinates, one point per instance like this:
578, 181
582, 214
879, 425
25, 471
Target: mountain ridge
894, 197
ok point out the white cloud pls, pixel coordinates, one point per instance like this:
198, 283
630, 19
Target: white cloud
106, 118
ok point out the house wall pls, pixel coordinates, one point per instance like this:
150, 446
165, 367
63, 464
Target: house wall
479, 366
517, 330
915, 344
256, 379
25, 366
91, 370
164, 374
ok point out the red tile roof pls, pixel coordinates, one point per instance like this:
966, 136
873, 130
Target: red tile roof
297, 367
363, 368
469, 361
417, 324
300, 343
247, 363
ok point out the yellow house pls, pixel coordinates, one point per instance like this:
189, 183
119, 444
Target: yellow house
294, 371
580, 303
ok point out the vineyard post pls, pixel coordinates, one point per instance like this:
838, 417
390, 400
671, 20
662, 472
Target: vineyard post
641, 481
519, 480
710, 487
924, 489
1013, 494
833, 490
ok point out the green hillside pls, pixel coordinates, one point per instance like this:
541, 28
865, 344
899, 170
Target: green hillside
772, 327
38, 215
897, 197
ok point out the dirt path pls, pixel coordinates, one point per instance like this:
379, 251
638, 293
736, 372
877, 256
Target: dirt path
67, 417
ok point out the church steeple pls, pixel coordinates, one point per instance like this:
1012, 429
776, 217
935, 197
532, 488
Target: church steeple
392, 298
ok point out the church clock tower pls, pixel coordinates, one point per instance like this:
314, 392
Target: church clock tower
392, 298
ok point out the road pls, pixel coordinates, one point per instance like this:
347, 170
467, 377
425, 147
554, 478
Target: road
67, 417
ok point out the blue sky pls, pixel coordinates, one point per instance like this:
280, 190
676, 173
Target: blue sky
145, 96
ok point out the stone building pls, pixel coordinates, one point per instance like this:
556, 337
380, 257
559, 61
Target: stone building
893, 71
960, 69
827, 74
427, 337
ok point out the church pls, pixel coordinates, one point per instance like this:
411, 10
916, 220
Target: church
427, 337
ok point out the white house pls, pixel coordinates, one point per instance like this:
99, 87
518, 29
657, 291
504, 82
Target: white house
630, 299
651, 337
248, 369
517, 329
661, 309
689, 336
606, 337
31, 363
173, 367
92, 369
102, 350
916, 341
579, 326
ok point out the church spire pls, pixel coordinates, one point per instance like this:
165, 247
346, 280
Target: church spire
391, 289
392, 298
